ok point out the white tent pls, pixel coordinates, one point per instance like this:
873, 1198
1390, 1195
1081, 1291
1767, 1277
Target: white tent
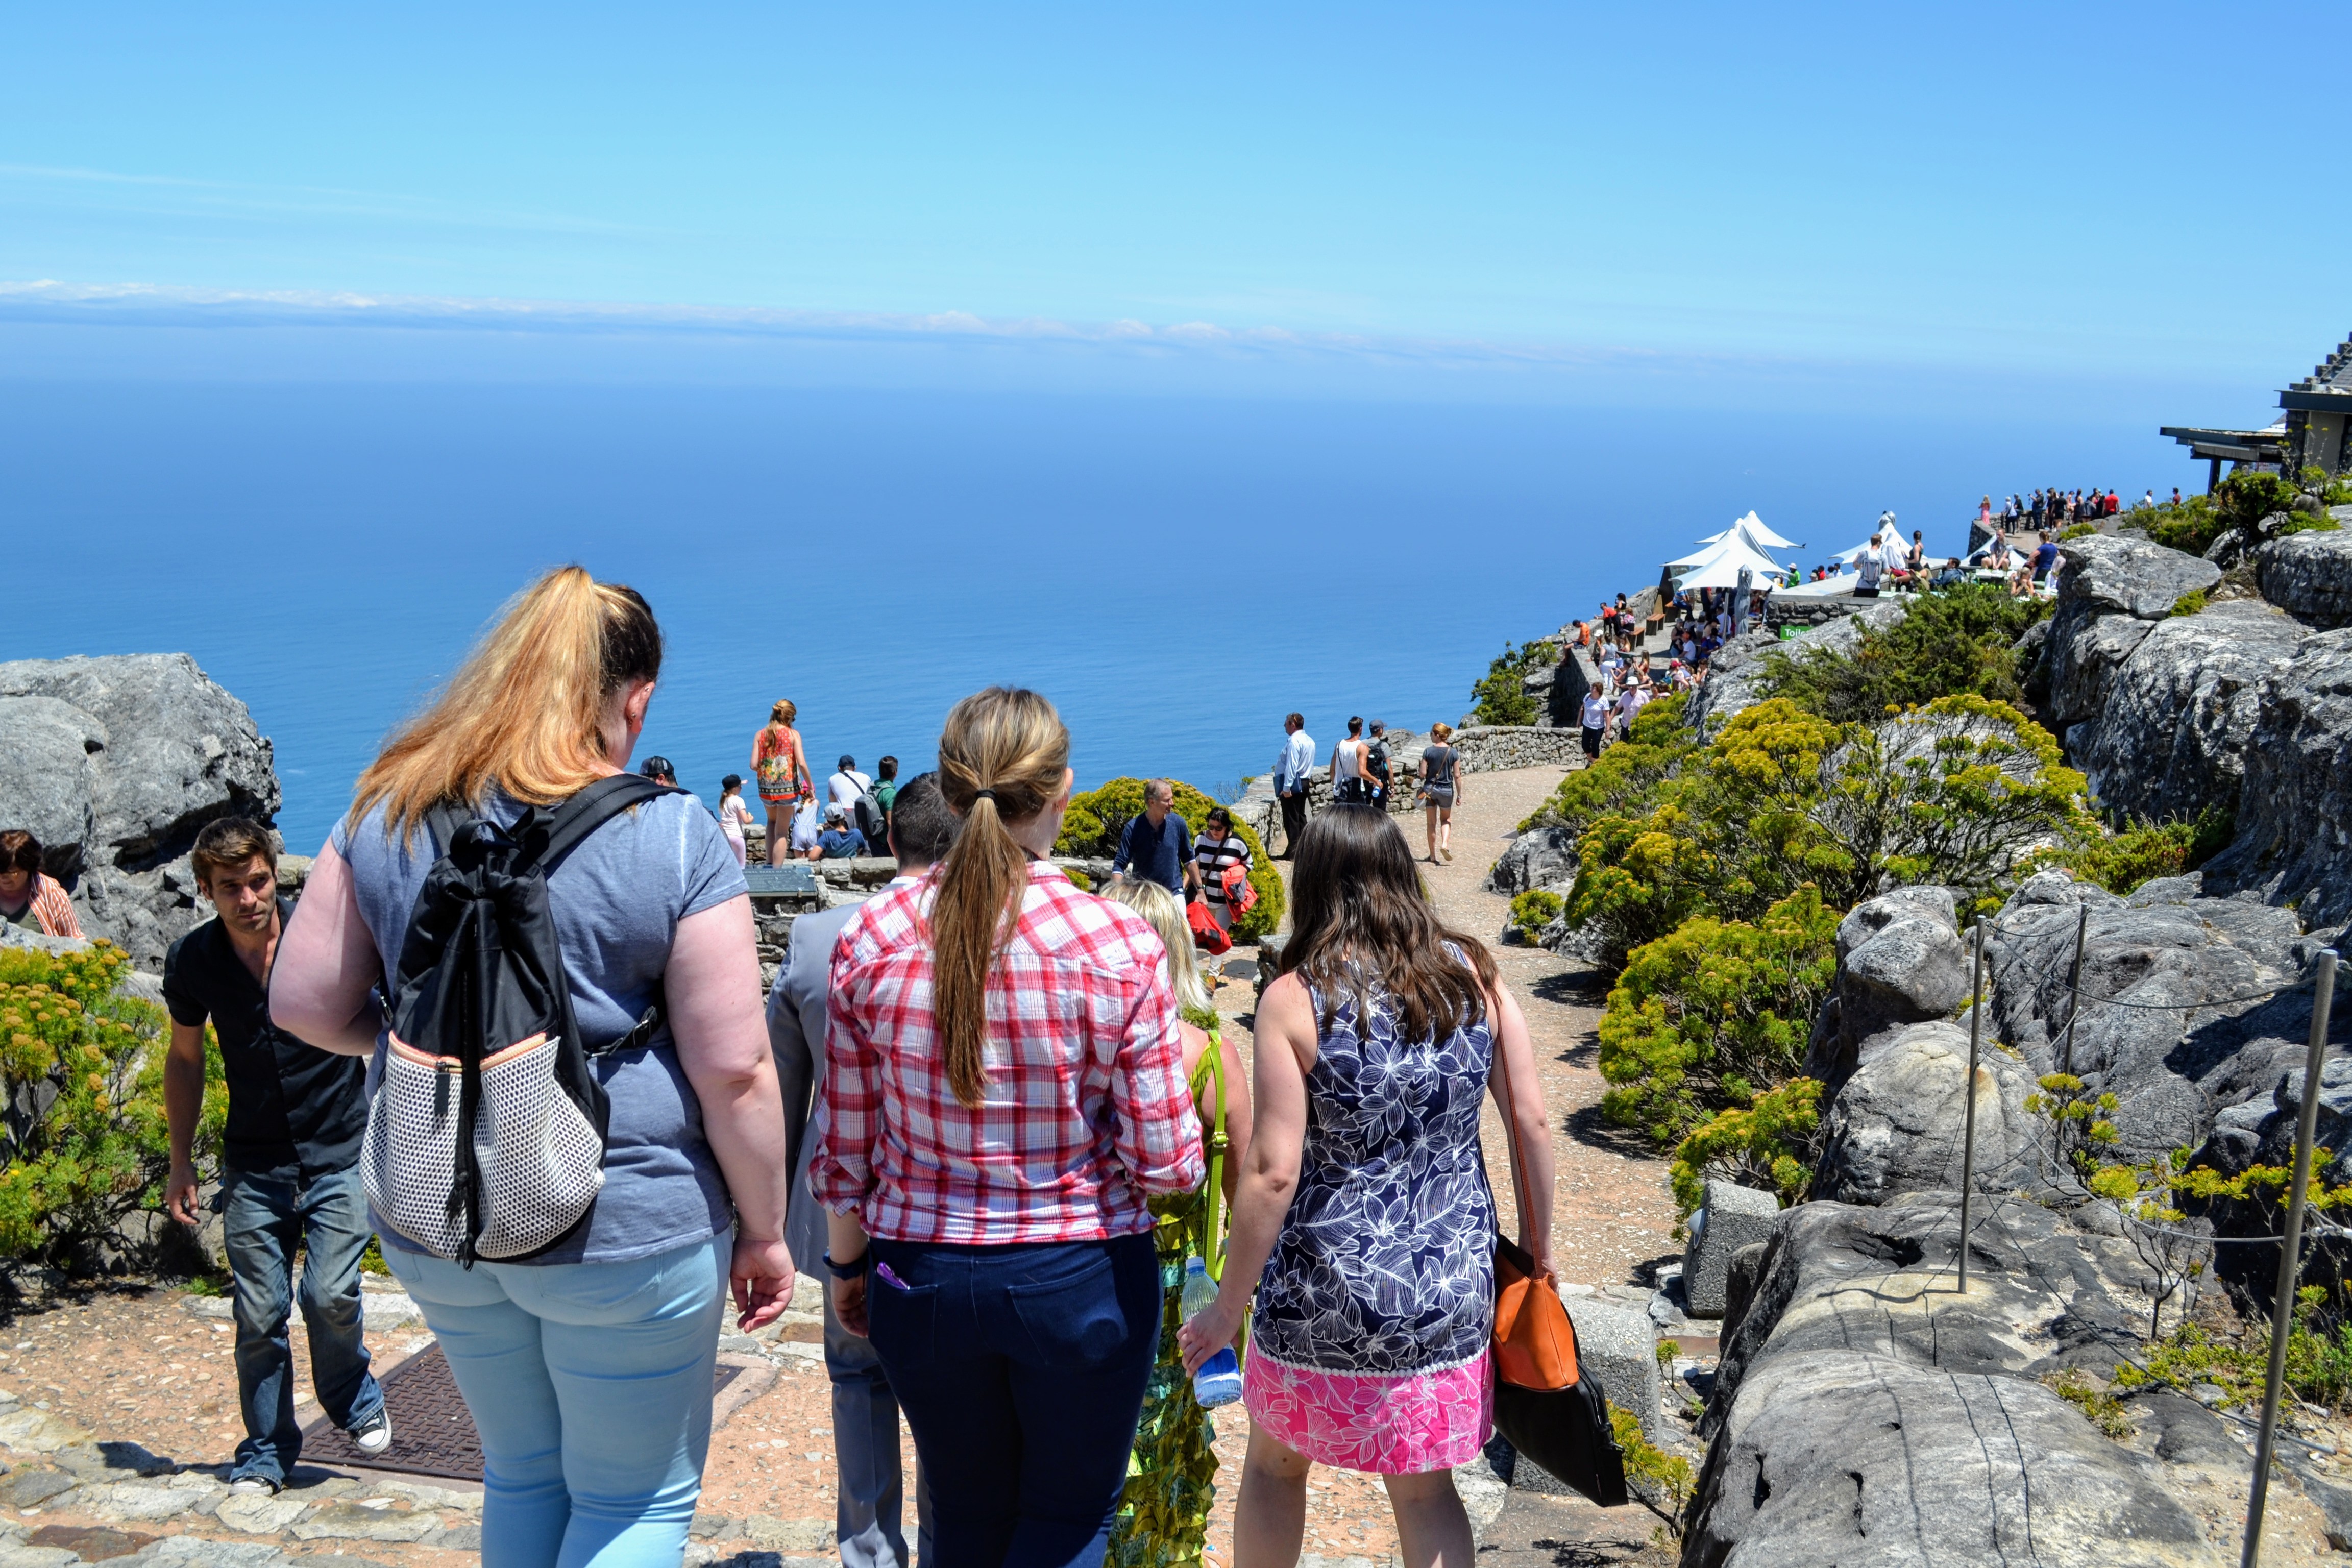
1761, 536
1735, 550
1723, 571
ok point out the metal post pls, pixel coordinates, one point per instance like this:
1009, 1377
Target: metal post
1969, 1089
2075, 988
2290, 1274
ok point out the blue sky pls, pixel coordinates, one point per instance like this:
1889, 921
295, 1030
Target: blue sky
2045, 202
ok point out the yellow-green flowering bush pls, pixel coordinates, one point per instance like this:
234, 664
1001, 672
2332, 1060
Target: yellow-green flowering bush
82, 1065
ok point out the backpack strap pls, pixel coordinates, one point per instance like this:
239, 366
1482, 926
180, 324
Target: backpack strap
570, 823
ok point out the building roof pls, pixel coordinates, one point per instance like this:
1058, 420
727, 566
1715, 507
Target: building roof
2328, 386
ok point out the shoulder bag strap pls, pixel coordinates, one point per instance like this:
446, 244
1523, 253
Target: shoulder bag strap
1510, 1118
566, 828
1213, 1248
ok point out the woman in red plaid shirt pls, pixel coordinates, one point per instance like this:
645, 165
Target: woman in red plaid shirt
1004, 1091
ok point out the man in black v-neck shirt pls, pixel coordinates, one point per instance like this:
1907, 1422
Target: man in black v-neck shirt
289, 1161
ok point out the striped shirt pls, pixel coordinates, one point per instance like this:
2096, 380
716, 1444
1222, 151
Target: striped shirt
1085, 1113
1212, 857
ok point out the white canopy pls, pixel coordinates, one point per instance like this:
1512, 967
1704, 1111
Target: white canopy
1760, 536
1734, 549
1848, 557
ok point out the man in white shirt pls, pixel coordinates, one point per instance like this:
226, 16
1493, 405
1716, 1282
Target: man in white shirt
847, 784
1872, 567
1292, 769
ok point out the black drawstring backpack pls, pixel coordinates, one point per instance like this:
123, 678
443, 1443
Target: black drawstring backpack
485, 1138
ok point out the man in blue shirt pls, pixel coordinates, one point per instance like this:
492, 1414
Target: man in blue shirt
839, 841
1158, 846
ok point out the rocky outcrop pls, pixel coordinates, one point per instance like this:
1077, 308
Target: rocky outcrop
2167, 1034
2309, 575
1541, 857
1900, 963
2294, 817
115, 764
2167, 738
2110, 593
1896, 1125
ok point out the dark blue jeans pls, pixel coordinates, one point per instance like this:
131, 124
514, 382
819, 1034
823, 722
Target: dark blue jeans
1020, 1370
265, 1220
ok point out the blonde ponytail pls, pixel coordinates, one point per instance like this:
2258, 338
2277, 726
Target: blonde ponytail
1003, 755
525, 712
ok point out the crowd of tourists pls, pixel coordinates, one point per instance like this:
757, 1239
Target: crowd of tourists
513, 1028
1362, 772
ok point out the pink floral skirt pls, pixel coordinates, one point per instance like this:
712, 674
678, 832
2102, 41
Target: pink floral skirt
1362, 1421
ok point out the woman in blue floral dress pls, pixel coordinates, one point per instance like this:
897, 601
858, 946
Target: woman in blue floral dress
1364, 1213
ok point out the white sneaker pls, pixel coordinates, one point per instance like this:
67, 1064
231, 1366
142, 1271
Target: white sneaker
375, 1436
252, 1486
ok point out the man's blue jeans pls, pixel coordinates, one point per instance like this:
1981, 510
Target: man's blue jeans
590, 1385
265, 1219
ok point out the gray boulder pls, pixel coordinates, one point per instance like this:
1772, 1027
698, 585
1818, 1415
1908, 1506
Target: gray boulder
1900, 962
1896, 1126
2309, 575
2165, 1025
2043, 1294
2110, 593
1541, 857
2295, 815
1732, 1219
124, 759
2167, 734
1834, 1456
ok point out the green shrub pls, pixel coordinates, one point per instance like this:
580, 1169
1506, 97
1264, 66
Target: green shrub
100, 1149
1499, 696
1706, 1018
1534, 909
2121, 860
2079, 531
1659, 1481
1963, 792
1078, 879
2318, 1359
2303, 522
2103, 1410
2189, 604
2242, 500
1946, 644
1098, 819
1767, 1143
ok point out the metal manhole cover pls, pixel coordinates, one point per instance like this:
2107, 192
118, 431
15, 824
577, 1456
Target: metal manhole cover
431, 1431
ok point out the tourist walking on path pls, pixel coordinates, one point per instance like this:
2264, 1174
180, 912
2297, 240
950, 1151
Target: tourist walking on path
30, 898
865, 1410
1441, 790
734, 817
1376, 766
781, 767
1164, 1511
587, 1367
1292, 770
1004, 1091
1348, 766
1218, 849
289, 1161
1364, 1217
1593, 720
1157, 846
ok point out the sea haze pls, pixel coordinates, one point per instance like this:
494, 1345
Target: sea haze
1175, 572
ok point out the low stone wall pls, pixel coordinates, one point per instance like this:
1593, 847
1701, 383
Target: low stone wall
1492, 748
1779, 611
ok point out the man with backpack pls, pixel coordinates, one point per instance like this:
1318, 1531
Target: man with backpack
1376, 766
289, 1161
854, 793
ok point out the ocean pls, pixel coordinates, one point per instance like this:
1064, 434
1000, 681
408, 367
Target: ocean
1175, 572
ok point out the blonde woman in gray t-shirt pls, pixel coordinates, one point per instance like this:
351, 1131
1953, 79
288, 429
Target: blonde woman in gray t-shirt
587, 1367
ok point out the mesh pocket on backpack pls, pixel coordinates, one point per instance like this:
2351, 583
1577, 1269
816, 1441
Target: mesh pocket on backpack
541, 1160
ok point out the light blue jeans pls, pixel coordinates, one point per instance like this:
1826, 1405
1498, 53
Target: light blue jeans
590, 1385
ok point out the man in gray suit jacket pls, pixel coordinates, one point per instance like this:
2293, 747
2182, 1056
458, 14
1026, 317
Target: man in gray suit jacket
864, 1411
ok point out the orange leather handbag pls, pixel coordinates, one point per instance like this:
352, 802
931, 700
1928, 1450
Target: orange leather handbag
1535, 1344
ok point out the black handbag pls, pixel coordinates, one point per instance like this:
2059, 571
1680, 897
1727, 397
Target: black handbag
1565, 1429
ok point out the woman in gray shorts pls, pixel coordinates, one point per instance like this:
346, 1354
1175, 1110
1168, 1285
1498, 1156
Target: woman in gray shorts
1441, 768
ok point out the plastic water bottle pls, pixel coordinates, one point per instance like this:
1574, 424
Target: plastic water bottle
1219, 1381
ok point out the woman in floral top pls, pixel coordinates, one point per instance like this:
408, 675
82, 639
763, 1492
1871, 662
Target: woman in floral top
1364, 1216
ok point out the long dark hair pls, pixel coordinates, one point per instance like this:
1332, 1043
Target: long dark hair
1361, 920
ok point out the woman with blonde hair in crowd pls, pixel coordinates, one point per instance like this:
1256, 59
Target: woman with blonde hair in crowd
1163, 1516
1364, 1217
587, 1366
1004, 1093
780, 766
1441, 789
